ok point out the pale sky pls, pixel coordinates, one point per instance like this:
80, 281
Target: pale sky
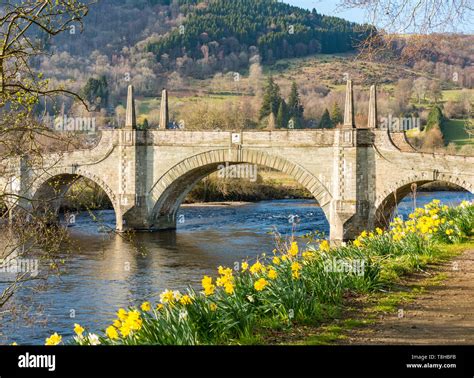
329, 7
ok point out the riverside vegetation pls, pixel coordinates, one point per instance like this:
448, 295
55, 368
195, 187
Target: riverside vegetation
291, 286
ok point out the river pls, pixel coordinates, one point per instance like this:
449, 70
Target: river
106, 271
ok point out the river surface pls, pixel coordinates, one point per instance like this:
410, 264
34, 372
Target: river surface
106, 271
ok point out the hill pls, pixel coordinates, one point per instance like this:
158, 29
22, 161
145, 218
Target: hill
223, 35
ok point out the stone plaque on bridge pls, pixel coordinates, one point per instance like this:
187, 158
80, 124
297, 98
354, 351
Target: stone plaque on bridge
236, 138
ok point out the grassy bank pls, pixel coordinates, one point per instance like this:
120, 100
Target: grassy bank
268, 186
293, 286
365, 310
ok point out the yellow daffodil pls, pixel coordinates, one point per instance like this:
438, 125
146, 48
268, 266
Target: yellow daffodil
78, 330
272, 274
257, 268
125, 330
295, 270
324, 246
185, 300
54, 339
224, 271
122, 314
260, 284
208, 286
293, 251
167, 297
112, 333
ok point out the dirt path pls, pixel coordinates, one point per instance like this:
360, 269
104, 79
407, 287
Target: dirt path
443, 314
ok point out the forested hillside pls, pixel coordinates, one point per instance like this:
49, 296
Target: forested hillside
224, 33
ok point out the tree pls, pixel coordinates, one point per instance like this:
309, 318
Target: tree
271, 98
403, 92
325, 122
295, 108
414, 16
336, 115
282, 116
145, 125
433, 139
255, 78
435, 118
25, 25
420, 86
96, 92
435, 91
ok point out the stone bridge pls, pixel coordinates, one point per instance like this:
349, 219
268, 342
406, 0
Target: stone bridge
356, 174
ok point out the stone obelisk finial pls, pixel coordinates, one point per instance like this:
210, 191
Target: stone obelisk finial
372, 121
130, 116
164, 116
349, 107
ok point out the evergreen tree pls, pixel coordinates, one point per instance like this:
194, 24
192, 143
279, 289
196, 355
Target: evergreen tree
271, 98
295, 108
282, 116
145, 125
336, 115
435, 118
96, 92
325, 122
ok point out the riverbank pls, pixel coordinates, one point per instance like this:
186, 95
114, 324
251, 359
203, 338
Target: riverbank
432, 306
296, 286
437, 307
216, 204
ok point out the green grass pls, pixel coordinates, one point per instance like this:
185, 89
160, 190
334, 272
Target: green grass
454, 94
333, 333
383, 303
329, 335
390, 302
454, 132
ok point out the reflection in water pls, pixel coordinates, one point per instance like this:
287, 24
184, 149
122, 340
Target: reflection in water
107, 271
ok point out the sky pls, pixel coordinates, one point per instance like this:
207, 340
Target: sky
330, 8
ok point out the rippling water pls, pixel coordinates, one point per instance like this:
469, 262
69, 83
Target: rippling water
107, 272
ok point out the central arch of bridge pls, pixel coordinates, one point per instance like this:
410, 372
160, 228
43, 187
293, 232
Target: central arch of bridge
173, 187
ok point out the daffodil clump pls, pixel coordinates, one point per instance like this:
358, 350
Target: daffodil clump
293, 284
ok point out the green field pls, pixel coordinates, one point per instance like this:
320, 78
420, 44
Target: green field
454, 132
455, 94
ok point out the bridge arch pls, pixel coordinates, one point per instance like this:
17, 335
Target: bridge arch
387, 202
49, 191
172, 188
